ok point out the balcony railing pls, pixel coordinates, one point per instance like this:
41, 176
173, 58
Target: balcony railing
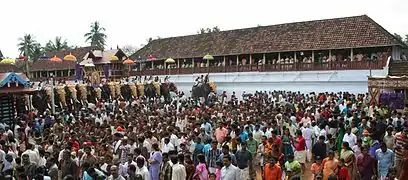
315, 66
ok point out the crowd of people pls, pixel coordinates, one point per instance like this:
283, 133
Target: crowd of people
268, 135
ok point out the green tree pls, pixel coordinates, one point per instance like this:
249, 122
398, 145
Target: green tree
129, 50
399, 37
209, 30
96, 36
29, 44
57, 45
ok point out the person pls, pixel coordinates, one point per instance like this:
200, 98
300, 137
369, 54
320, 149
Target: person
316, 167
300, 147
141, 169
350, 138
189, 165
347, 155
229, 171
343, 171
329, 165
401, 139
292, 167
244, 161
114, 170
272, 170
385, 158
178, 171
201, 171
366, 165
166, 167
319, 148
212, 157
404, 174
287, 143
155, 162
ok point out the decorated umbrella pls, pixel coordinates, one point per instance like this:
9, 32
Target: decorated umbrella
128, 62
8, 61
70, 57
169, 61
112, 58
208, 57
55, 60
151, 58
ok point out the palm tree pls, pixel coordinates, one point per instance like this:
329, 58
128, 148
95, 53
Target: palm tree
29, 44
57, 45
96, 36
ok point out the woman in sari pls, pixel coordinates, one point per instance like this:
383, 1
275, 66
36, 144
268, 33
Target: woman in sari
349, 160
287, 143
329, 165
340, 137
155, 162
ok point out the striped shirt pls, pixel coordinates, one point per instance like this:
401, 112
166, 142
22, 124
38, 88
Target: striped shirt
400, 141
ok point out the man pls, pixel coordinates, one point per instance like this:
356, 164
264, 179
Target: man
229, 171
300, 147
258, 133
68, 166
366, 165
272, 170
308, 134
52, 168
115, 173
385, 158
29, 167
166, 167
244, 161
226, 152
320, 149
167, 146
141, 169
350, 138
401, 140
178, 169
32, 153
220, 133
212, 157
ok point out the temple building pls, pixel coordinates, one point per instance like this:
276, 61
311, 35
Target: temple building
349, 43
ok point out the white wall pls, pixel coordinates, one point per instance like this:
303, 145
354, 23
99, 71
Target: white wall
305, 81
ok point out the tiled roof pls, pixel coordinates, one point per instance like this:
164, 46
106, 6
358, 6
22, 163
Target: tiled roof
347, 32
79, 53
5, 68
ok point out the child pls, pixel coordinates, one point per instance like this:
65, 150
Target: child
218, 170
292, 167
212, 176
316, 167
343, 173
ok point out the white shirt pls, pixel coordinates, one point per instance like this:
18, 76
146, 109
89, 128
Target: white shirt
34, 156
168, 147
351, 139
119, 178
178, 172
230, 173
144, 172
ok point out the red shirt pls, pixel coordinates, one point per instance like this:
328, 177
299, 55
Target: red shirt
277, 141
301, 144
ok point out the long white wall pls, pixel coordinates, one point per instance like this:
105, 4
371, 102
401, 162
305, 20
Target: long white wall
304, 81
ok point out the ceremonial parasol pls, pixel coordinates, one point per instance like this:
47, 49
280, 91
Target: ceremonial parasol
128, 62
169, 61
151, 58
113, 58
8, 61
70, 57
208, 57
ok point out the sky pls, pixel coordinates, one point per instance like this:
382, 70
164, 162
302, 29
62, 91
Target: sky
132, 22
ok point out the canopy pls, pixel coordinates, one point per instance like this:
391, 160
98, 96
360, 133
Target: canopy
208, 57
8, 61
56, 59
128, 62
70, 57
169, 60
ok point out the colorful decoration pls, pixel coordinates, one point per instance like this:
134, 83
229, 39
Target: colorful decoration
169, 61
151, 58
56, 59
128, 62
113, 58
8, 61
208, 57
70, 57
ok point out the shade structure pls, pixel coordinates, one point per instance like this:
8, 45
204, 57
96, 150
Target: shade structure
208, 57
56, 59
113, 58
70, 57
44, 57
169, 61
8, 61
128, 62
151, 57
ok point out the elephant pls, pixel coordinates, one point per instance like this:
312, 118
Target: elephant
165, 89
105, 92
150, 91
91, 95
126, 92
39, 101
202, 90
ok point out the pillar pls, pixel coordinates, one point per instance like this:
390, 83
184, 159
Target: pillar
294, 56
250, 59
263, 58
279, 57
152, 64
330, 54
193, 64
313, 59
224, 61
351, 54
237, 62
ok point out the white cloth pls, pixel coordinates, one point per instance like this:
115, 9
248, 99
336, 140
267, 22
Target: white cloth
144, 172
168, 147
178, 172
230, 173
350, 138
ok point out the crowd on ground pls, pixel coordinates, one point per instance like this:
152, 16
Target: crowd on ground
267, 135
